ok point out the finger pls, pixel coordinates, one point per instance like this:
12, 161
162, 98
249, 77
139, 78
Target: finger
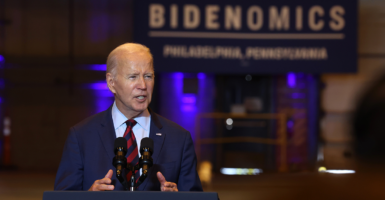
100, 187
166, 189
161, 178
170, 189
170, 185
105, 181
109, 174
107, 178
103, 187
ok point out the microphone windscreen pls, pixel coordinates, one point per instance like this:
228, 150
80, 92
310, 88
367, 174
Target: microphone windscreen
121, 142
147, 143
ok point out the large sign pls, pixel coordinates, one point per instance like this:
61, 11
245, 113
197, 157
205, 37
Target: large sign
224, 36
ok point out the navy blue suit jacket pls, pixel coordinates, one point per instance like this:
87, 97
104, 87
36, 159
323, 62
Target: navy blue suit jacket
89, 150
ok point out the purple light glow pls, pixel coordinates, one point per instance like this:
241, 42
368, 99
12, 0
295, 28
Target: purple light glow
178, 75
97, 86
189, 99
2, 58
100, 88
291, 79
201, 75
98, 67
188, 103
188, 108
103, 93
290, 124
1, 100
103, 96
103, 103
298, 95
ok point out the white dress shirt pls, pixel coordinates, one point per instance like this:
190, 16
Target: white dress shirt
141, 129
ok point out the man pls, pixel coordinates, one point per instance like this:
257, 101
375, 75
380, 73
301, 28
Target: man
87, 157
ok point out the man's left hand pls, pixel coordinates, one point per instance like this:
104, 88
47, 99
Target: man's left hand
166, 186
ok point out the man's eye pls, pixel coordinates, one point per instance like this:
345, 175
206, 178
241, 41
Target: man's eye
148, 76
132, 77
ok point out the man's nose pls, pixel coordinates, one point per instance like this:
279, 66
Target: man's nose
142, 84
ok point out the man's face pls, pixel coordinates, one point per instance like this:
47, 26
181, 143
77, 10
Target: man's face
133, 84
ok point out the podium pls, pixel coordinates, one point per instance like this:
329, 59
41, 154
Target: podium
120, 195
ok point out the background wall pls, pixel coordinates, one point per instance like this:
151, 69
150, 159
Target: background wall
46, 42
55, 30
48, 89
343, 90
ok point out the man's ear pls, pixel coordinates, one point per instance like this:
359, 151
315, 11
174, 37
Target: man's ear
110, 82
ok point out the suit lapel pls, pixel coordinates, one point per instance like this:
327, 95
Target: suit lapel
107, 133
155, 128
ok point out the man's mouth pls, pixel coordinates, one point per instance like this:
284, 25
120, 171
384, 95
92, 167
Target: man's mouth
140, 97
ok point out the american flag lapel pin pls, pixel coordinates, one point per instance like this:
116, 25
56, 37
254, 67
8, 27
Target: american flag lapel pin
159, 134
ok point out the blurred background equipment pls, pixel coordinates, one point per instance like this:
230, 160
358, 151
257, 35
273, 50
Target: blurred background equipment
368, 124
205, 172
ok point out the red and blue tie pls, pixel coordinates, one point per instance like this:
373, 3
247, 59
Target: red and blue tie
132, 149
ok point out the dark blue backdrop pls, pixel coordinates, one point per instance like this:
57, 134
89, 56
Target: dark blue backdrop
228, 50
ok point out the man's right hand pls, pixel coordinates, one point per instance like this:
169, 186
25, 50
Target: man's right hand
103, 184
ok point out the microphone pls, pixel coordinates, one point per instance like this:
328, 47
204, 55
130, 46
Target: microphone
120, 161
146, 148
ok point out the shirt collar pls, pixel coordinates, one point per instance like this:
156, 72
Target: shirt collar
119, 119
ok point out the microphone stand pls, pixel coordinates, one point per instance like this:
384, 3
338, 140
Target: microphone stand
145, 163
120, 162
123, 181
133, 184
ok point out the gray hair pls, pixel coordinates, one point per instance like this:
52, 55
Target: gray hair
124, 50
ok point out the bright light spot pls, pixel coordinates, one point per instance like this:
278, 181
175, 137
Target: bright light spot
335, 171
339, 171
229, 121
1, 58
322, 169
7, 132
291, 82
241, 171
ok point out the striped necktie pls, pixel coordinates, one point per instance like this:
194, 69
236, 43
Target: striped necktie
132, 149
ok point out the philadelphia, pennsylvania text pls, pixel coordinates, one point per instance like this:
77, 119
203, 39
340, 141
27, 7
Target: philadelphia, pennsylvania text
235, 52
